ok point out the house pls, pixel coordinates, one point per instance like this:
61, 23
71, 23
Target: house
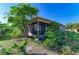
38, 26
73, 27
73, 30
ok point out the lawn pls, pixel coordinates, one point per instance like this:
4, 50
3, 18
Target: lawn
7, 43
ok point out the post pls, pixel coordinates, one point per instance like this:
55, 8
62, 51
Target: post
38, 29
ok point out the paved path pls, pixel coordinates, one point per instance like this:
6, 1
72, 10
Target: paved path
38, 49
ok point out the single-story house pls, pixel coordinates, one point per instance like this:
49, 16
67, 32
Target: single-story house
38, 26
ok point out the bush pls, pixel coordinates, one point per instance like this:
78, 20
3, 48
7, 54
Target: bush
64, 42
76, 48
21, 46
66, 50
6, 51
55, 40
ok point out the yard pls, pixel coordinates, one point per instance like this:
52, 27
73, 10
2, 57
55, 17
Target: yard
35, 48
72, 43
7, 43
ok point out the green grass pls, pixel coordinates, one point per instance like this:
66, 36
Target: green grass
7, 43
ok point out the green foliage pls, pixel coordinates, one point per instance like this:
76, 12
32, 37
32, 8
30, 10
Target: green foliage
4, 31
6, 51
63, 42
66, 50
16, 33
20, 15
15, 49
55, 40
54, 26
72, 26
76, 48
20, 47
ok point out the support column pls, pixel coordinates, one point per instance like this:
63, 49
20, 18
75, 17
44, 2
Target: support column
38, 29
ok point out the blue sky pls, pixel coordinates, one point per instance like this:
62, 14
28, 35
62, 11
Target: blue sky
60, 12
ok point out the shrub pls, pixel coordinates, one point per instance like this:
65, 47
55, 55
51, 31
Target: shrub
20, 47
55, 40
6, 51
64, 42
66, 50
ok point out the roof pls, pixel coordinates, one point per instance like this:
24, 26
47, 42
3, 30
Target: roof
41, 19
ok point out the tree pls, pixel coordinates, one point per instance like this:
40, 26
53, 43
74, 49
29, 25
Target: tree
4, 29
20, 15
72, 26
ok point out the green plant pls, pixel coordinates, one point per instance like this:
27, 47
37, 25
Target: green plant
66, 50
20, 15
6, 51
15, 49
20, 47
55, 40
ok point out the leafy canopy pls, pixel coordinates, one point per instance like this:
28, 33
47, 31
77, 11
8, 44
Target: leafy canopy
20, 15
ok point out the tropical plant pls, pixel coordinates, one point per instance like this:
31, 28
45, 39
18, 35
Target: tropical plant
55, 38
20, 15
63, 42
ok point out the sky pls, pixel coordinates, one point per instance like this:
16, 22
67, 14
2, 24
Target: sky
59, 12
